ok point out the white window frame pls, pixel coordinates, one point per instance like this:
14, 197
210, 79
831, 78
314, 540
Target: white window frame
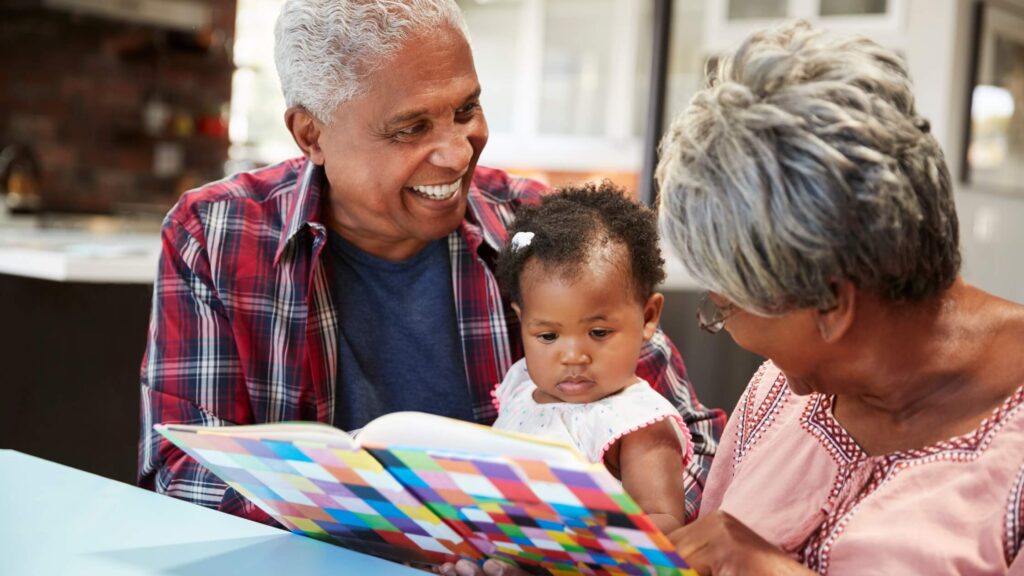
525, 146
888, 29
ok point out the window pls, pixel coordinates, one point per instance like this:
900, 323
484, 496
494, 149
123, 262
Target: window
576, 67
565, 84
852, 7
730, 21
257, 130
748, 9
995, 150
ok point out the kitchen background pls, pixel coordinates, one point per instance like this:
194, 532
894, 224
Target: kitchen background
110, 109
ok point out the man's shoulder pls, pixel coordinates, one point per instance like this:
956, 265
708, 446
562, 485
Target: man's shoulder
259, 187
494, 198
500, 187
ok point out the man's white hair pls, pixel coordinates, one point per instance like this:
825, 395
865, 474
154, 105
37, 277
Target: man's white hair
325, 49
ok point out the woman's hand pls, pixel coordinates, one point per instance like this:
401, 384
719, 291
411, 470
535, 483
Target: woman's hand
491, 568
721, 545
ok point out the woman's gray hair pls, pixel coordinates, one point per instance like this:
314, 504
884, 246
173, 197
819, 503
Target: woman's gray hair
803, 162
325, 49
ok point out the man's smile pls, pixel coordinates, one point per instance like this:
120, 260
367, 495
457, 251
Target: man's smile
438, 191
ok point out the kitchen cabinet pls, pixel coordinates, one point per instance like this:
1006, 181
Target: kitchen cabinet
69, 371
75, 307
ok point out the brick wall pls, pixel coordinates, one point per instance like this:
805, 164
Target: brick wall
87, 95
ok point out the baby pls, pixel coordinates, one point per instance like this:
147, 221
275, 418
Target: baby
580, 271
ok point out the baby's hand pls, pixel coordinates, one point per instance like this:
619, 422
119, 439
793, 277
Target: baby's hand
491, 568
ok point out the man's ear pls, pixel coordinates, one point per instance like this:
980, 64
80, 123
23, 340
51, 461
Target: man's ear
305, 131
519, 312
652, 314
835, 322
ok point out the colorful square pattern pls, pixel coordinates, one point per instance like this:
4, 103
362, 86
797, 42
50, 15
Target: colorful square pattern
568, 519
420, 506
328, 493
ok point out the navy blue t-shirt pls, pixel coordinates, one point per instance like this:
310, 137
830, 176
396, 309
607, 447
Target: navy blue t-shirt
398, 341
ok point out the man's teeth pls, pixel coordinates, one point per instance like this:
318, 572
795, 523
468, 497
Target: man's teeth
440, 191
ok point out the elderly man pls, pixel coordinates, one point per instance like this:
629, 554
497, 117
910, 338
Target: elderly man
355, 280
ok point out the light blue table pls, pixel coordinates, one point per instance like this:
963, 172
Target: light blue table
58, 520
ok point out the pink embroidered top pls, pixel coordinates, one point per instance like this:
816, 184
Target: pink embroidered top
592, 428
789, 471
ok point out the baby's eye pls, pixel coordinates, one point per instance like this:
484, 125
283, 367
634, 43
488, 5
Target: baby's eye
600, 332
547, 337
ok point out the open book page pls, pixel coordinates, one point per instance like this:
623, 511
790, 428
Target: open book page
528, 500
428, 431
427, 488
283, 431
313, 480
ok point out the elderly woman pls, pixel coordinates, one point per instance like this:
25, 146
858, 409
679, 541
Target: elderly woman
885, 435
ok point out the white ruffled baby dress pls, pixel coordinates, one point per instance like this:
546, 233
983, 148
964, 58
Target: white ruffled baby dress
592, 428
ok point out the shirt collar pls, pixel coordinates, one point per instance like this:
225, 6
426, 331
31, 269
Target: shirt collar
480, 225
304, 205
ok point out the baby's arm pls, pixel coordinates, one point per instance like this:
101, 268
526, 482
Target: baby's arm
650, 464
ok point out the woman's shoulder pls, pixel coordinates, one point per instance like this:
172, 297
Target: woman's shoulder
767, 388
765, 400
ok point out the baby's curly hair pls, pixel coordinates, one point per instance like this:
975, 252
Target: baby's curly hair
569, 227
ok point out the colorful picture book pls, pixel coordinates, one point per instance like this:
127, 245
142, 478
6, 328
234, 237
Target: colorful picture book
419, 488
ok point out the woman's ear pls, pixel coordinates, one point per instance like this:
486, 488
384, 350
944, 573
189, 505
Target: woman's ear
835, 322
652, 314
519, 313
305, 131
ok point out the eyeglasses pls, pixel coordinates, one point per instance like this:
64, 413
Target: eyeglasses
710, 316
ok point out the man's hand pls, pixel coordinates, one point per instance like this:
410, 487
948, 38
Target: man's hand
721, 545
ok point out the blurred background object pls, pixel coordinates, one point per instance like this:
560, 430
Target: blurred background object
19, 180
116, 99
995, 151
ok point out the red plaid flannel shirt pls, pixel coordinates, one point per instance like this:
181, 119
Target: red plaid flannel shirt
243, 329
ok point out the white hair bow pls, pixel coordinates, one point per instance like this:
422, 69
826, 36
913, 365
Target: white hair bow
521, 240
